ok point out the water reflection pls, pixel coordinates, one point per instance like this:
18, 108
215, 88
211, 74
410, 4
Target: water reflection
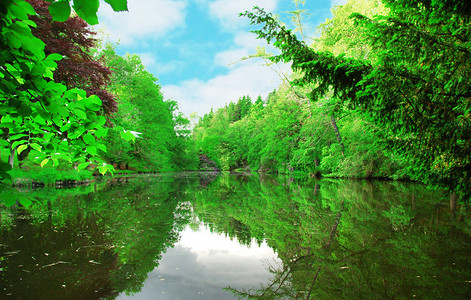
185, 236
203, 263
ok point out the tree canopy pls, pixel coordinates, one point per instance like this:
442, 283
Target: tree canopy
414, 83
56, 122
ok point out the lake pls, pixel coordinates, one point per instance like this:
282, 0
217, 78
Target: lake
226, 236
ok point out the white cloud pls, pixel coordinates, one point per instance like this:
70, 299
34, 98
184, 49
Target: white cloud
227, 11
148, 59
230, 57
146, 19
338, 2
245, 44
160, 67
250, 78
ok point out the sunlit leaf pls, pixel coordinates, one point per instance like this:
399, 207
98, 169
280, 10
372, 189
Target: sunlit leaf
82, 166
36, 146
101, 147
102, 170
44, 162
21, 148
17, 136
127, 136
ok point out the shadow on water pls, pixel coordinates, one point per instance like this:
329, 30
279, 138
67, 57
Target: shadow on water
335, 238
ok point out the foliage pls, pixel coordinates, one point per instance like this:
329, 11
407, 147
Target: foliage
414, 86
48, 174
38, 114
85, 9
162, 143
286, 135
73, 39
293, 132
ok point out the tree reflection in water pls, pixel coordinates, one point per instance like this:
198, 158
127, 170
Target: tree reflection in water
348, 239
335, 238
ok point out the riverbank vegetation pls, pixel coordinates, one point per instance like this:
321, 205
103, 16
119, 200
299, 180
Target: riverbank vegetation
382, 92
70, 103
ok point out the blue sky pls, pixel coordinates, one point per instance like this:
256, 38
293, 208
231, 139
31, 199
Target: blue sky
195, 47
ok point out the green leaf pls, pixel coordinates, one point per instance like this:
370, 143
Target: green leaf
26, 202
9, 198
20, 142
118, 5
92, 150
17, 136
102, 170
102, 147
14, 40
110, 168
21, 148
44, 162
18, 12
54, 56
93, 103
55, 162
87, 10
102, 132
25, 110
89, 139
101, 120
5, 175
80, 113
36, 147
39, 120
127, 136
59, 10
82, 166
57, 120
25, 6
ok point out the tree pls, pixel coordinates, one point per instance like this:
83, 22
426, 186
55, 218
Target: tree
142, 109
36, 112
416, 86
73, 39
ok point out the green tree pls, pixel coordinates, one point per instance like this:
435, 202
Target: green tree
414, 86
142, 109
38, 113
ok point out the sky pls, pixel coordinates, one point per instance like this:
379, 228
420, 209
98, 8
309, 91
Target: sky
196, 47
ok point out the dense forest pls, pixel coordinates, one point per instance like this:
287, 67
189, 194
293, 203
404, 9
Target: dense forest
382, 92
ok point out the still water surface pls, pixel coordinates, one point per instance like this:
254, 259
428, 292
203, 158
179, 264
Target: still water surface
207, 236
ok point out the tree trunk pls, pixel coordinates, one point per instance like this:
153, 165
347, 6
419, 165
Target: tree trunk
453, 203
337, 133
11, 158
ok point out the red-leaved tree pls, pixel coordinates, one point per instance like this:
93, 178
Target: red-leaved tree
73, 39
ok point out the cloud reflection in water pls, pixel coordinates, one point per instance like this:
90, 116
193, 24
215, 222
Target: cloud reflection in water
202, 263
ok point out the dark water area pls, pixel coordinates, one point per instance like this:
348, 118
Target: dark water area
209, 236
